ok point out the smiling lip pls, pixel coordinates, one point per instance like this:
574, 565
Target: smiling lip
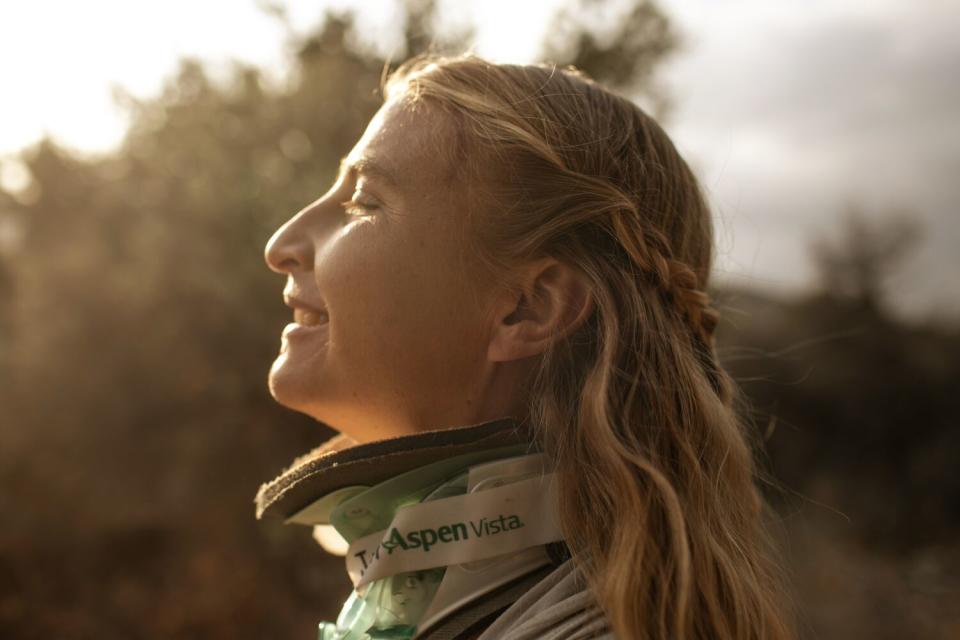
293, 329
297, 303
307, 318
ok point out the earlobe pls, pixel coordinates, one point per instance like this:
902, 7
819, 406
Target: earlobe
554, 301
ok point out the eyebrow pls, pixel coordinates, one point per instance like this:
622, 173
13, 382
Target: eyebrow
367, 166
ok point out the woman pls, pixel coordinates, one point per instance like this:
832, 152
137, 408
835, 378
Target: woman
510, 269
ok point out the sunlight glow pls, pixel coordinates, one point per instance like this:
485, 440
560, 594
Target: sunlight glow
783, 109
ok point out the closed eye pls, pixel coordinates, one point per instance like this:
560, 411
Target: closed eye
358, 208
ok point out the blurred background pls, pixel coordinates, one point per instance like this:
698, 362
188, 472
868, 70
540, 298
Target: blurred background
149, 150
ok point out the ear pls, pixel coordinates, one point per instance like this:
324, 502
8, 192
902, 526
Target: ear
554, 300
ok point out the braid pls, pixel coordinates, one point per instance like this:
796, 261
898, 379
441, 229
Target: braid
649, 249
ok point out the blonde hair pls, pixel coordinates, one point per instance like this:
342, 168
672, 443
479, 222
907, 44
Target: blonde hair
658, 488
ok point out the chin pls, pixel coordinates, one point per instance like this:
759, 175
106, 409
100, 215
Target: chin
290, 388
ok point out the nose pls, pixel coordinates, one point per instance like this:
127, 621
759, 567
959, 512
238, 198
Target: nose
290, 248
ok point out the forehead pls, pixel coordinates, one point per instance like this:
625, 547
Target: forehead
405, 146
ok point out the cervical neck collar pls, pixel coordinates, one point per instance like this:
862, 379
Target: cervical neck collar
332, 467
433, 521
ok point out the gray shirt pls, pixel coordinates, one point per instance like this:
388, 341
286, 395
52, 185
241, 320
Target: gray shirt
558, 607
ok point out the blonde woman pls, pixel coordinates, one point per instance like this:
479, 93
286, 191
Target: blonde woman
500, 304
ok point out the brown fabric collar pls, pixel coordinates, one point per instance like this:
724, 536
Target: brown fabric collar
341, 463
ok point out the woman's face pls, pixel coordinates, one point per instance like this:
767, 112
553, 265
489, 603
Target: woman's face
402, 345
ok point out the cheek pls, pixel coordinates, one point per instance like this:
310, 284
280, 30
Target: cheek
402, 305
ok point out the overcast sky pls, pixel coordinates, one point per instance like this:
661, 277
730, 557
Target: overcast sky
787, 110
791, 110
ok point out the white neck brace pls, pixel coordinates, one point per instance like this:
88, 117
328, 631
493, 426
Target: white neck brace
488, 532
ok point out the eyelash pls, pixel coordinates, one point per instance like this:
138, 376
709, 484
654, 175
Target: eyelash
354, 205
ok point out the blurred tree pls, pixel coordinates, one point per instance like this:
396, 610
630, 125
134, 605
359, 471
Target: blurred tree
8, 226
619, 44
141, 322
142, 325
856, 260
865, 405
